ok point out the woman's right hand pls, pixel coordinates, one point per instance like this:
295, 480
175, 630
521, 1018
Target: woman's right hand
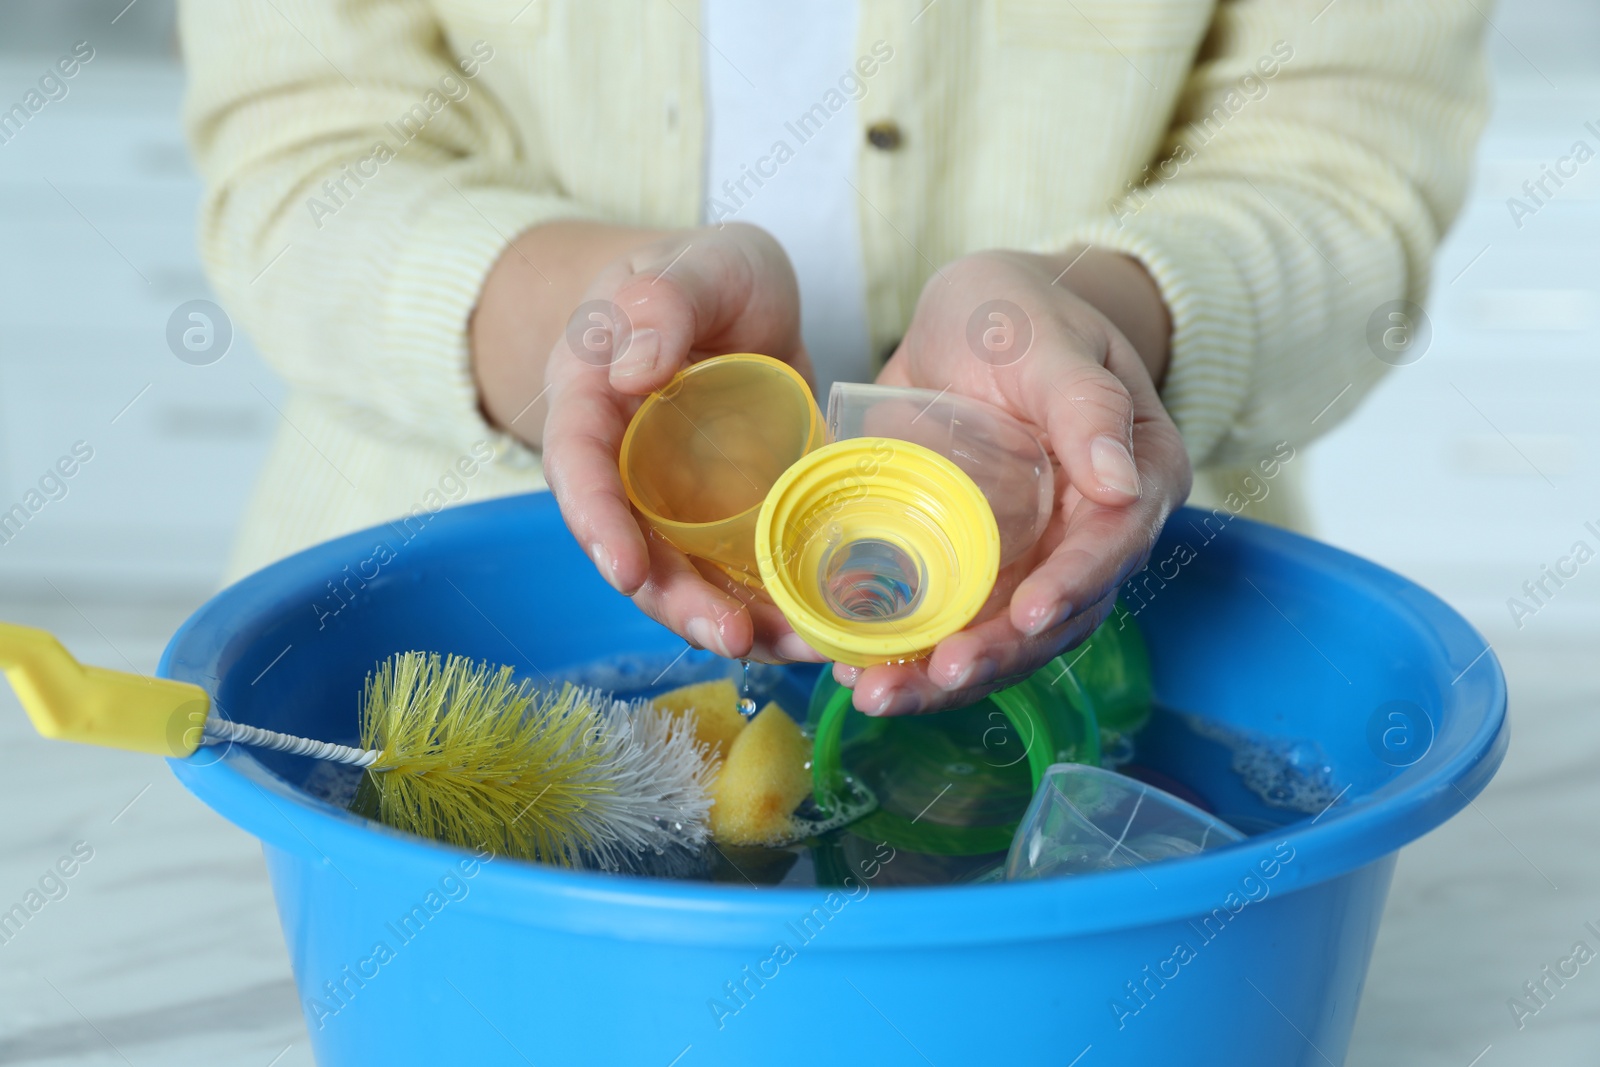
680, 298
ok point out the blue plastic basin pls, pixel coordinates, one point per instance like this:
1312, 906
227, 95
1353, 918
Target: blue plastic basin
406, 952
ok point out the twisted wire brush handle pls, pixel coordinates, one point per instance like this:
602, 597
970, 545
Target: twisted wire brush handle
222, 731
74, 702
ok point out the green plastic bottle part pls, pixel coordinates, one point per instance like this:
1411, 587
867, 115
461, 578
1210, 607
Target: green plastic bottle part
1109, 673
972, 770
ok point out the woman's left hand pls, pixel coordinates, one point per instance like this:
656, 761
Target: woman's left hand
1038, 337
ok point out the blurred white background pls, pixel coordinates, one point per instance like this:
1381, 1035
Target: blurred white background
1468, 471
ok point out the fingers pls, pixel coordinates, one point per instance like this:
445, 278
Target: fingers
663, 313
1089, 417
582, 435
678, 596
999, 653
1101, 547
1069, 593
713, 290
1123, 469
774, 639
1056, 606
689, 597
709, 290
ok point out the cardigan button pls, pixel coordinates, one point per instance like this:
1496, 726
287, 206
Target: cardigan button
884, 135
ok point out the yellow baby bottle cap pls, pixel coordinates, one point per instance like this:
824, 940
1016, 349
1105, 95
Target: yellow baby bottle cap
876, 549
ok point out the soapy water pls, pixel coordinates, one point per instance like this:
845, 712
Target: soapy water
811, 821
1285, 772
626, 677
336, 783
1116, 749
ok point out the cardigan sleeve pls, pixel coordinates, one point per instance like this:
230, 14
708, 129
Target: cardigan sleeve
1312, 166
359, 184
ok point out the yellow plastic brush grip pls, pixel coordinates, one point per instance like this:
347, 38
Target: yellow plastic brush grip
73, 702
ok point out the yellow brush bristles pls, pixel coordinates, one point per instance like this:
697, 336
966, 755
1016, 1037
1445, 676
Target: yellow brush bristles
475, 758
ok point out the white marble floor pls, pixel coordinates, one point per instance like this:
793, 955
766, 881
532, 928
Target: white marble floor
165, 948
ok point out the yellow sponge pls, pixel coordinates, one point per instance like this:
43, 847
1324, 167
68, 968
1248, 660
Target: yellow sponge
714, 706
763, 779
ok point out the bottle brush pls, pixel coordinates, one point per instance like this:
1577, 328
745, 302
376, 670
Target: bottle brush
451, 749
467, 754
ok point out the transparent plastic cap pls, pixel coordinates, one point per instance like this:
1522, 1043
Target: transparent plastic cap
1084, 819
1002, 456
702, 452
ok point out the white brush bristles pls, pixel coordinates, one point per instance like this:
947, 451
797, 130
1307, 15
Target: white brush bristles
662, 787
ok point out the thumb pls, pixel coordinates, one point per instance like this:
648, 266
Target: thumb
1089, 417
714, 291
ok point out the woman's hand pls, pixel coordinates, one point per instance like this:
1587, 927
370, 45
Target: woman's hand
1039, 337
680, 297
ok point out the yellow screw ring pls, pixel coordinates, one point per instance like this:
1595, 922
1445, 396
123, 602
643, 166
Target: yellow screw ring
885, 490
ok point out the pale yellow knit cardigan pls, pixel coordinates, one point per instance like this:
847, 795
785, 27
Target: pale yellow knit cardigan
1282, 167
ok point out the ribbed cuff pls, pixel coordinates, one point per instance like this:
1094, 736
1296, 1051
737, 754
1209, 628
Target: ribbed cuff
434, 289
1213, 333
